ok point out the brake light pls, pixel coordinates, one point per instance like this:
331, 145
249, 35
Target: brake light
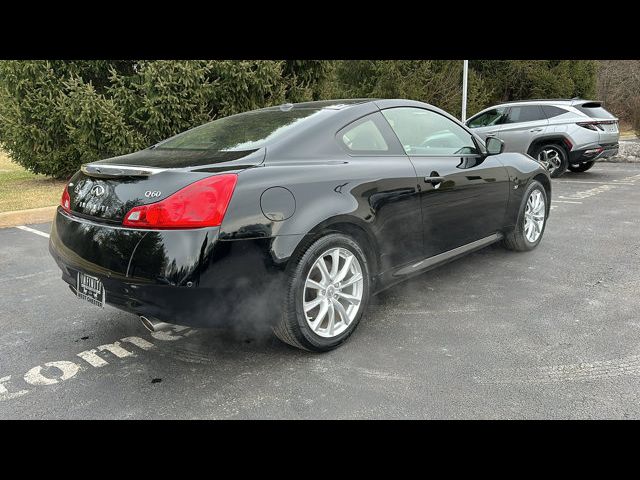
65, 201
201, 204
590, 126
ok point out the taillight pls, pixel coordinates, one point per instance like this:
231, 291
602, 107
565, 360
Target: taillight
65, 201
201, 204
590, 126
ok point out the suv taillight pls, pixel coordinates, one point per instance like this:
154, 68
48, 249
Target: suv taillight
65, 201
595, 126
201, 204
590, 126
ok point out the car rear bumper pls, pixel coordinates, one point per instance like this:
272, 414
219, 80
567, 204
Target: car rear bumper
185, 277
592, 153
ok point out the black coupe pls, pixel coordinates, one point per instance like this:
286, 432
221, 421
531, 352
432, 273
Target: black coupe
293, 215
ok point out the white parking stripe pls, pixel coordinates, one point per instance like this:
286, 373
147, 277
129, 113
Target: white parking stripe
598, 183
564, 201
33, 230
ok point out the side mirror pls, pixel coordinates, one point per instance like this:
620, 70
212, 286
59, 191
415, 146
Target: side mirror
494, 145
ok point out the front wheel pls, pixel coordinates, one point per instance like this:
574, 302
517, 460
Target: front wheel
582, 167
532, 218
326, 295
553, 157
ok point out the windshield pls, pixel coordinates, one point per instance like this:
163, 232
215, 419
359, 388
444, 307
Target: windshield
245, 131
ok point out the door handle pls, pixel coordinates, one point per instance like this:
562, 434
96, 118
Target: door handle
535, 130
434, 180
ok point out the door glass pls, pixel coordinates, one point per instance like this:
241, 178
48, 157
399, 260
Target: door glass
550, 111
495, 116
423, 132
528, 113
364, 137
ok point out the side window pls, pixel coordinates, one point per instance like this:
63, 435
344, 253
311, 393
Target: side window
527, 113
550, 111
423, 132
495, 116
364, 137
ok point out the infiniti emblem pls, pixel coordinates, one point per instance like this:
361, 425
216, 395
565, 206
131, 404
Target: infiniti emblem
97, 190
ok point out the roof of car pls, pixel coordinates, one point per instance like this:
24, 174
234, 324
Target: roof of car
336, 104
550, 101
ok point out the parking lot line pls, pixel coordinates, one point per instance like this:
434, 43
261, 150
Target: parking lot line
565, 201
33, 230
599, 183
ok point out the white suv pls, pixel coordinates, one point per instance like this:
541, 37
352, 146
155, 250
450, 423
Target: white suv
561, 134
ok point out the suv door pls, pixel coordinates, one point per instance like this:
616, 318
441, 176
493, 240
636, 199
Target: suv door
522, 125
463, 193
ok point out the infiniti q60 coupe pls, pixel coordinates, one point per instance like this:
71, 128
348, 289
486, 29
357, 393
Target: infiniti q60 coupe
292, 215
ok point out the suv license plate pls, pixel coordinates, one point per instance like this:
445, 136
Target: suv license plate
90, 289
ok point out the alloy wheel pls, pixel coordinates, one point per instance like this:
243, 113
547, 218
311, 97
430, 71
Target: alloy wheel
551, 159
534, 215
333, 292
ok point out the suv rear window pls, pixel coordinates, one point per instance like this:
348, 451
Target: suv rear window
594, 110
550, 111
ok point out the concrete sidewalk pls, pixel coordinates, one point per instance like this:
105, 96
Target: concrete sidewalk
25, 217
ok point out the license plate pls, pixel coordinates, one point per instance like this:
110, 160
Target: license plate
90, 289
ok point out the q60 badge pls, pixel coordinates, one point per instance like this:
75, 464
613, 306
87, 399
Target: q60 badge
152, 193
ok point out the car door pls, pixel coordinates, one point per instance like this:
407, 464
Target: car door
522, 124
388, 197
463, 192
489, 122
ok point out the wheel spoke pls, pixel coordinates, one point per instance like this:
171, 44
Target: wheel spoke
355, 278
345, 269
332, 319
335, 262
341, 311
349, 298
313, 303
314, 285
529, 230
324, 308
322, 266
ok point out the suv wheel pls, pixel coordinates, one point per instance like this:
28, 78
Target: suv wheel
553, 157
582, 167
326, 294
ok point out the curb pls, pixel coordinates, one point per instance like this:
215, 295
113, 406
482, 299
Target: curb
25, 217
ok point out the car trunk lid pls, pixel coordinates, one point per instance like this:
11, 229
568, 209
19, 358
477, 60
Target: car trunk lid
106, 190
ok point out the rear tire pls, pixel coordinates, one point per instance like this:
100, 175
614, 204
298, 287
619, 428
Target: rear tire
522, 237
554, 157
333, 318
582, 167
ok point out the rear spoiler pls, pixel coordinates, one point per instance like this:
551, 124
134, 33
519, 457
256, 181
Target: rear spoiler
104, 170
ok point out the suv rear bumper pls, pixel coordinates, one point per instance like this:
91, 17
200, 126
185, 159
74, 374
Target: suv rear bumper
592, 153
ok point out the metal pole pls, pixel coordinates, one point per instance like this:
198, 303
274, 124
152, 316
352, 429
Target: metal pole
464, 89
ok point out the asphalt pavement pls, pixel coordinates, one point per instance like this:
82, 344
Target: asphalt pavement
551, 333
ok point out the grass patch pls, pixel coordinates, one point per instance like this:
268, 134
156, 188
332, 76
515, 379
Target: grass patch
20, 189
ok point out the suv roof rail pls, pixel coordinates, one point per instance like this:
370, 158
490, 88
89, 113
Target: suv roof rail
543, 100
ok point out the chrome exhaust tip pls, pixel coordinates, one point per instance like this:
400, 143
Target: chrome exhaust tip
153, 325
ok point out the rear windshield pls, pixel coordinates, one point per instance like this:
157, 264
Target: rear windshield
245, 131
594, 110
